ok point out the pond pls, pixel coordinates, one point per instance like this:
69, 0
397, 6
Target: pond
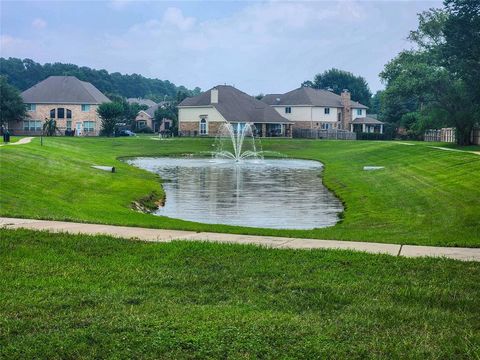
273, 193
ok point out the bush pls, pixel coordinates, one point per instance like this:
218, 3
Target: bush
372, 136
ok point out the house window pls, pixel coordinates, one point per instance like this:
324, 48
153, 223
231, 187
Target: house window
166, 125
89, 126
61, 113
203, 127
325, 126
85, 107
69, 114
52, 114
31, 107
288, 110
141, 124
69, 124
359, 111
326, 111
32, 125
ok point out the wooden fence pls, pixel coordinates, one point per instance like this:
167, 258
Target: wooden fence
324, 134
441, 135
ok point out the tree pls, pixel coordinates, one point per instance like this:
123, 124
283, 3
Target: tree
308, 83
110, 114
461, 49
167, 112
181, 95
337, 80
423, 82
375, 103
25, 73
12, 107
50, 127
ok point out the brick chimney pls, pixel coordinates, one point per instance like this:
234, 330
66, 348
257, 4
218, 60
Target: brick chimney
346, 110
214, 96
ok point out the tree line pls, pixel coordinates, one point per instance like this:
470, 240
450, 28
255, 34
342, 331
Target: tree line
437, 82
23, 74
434, 84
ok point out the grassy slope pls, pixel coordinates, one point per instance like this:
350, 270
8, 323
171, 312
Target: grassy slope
65, 296
424, 196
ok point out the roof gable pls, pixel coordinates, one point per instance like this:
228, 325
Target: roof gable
63, 90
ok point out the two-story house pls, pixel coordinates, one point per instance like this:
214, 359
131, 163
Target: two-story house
205, 113
312, 108
71, 102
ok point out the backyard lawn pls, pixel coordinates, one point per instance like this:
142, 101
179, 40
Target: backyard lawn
423, 196
73, 297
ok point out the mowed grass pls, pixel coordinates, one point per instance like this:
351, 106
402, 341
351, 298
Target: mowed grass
423, 196
73, 297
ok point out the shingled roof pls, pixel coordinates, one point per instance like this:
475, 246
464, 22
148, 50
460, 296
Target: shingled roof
237, 106
63, 90
309, 96
141, 101
366, 120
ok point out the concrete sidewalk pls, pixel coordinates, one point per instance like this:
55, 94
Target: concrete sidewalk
22, 141
160, 235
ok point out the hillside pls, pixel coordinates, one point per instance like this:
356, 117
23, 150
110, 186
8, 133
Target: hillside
25, 73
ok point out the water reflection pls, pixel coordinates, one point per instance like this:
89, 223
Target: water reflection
259, 193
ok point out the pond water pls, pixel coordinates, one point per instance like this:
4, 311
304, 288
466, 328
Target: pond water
279, 193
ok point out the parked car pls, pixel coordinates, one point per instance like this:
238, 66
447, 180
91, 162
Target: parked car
125, 133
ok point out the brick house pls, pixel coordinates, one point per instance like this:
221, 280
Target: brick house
205, 113
310, 108
71, 102
145, 118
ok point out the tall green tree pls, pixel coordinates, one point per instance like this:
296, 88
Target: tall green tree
461, 48
421, 85
375, 103
110, 114
338, 80
12, 107
167, 112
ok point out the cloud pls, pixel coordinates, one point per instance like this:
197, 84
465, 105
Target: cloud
39, 23
258, 46
119, 4
14, 45
174, 16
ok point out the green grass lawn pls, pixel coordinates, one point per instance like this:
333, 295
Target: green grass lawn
72, 297
423, 196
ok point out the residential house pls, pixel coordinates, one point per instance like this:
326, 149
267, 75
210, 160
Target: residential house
312, 108
145, 118
205, 113
71, 102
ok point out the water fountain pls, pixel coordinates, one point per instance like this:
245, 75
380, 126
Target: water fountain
237, 142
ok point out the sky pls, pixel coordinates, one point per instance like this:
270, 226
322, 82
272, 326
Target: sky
259, 47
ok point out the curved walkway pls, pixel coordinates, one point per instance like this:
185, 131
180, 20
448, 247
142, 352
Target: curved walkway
160, 235
22, 141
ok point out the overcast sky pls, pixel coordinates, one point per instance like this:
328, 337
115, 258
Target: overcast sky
260, 47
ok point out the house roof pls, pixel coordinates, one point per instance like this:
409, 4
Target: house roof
63, 90
366, 120
151, 110
309, 96
237, 106
141, 101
